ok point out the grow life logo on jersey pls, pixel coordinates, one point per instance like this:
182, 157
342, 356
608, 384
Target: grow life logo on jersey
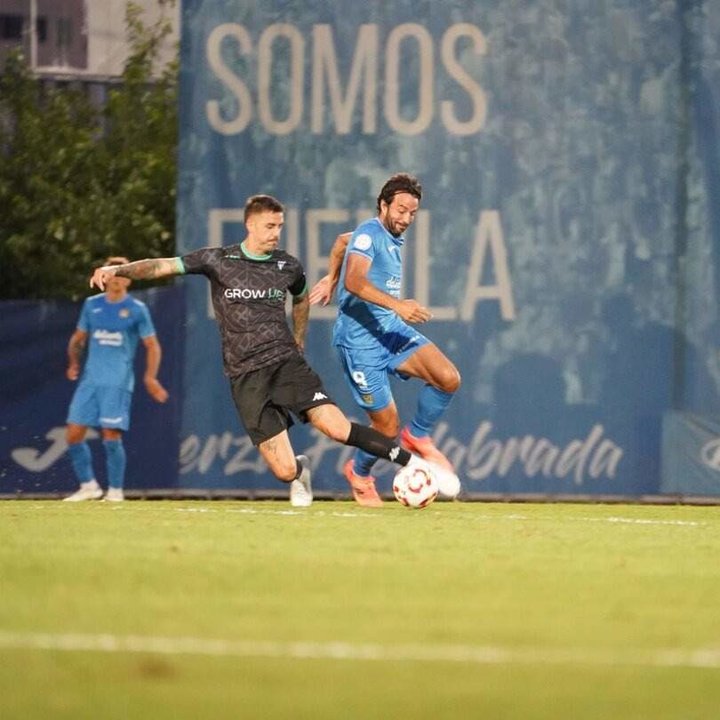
253, 294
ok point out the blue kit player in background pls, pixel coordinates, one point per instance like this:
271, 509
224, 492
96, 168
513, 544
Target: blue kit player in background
110, 326
374, 338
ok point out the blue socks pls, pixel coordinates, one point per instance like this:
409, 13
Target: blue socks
432, 403
363, 462
116, 460
81, 461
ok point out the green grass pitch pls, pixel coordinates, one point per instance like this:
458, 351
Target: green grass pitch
226, 609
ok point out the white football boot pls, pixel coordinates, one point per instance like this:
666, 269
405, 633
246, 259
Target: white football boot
114, 495
88, 491
301, 488
448, 482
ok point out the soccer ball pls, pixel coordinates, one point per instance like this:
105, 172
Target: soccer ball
415, 486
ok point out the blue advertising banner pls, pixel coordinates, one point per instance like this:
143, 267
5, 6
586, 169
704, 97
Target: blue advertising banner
36, 394
690, 454
567, 242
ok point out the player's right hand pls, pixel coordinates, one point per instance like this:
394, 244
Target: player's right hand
73, 372
321, 293
156, 391
412, 311
101, 276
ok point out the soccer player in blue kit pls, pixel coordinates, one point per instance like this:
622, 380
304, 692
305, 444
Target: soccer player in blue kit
374, 338
269, 377
110, 326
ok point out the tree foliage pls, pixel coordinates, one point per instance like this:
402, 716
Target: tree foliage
80, 182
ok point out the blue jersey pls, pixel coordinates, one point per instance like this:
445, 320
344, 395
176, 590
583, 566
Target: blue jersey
113, 329
360, 323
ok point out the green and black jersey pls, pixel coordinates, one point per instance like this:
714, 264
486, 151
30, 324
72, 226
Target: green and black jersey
248, 296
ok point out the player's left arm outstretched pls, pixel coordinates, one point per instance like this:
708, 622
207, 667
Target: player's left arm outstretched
149, 269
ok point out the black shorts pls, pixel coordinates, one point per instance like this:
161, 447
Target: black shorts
265, 398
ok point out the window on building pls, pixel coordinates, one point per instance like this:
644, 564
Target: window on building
64, 33
11, 27
41, 26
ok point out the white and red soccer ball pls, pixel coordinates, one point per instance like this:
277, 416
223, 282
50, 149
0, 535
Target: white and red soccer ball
415, 486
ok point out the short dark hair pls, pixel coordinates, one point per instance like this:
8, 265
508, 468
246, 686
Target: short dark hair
262, 203
399, 183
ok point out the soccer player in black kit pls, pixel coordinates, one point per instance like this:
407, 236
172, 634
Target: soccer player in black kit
262, 355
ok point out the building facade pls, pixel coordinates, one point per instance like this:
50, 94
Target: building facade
76, 37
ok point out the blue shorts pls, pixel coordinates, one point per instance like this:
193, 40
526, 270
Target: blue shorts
100, 406
368, 370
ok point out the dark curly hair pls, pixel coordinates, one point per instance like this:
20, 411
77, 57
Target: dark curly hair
400, 182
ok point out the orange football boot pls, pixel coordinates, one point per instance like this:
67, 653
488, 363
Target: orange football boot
363, 488
425, 448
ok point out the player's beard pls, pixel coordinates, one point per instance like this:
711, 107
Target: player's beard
393, 228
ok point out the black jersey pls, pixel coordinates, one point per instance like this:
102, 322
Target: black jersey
248, 295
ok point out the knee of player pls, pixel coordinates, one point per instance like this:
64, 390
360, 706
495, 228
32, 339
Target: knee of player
74, 434
330, 421
390, 428
111, 434
457, 382
286, 472
338, 433
450, 380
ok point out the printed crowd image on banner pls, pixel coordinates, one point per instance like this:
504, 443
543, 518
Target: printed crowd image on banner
567, 239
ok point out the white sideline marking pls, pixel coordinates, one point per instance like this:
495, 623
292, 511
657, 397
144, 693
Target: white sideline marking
468, 654
513, 516
301, 513
642, 521
610, 519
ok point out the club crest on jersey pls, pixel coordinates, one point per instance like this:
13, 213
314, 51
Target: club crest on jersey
281, 264
124, 313
362, 242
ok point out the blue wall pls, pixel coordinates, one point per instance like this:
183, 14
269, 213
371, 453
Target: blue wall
569, 238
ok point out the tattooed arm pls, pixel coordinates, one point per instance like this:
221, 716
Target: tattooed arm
150, 269
75, 351
300, 314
